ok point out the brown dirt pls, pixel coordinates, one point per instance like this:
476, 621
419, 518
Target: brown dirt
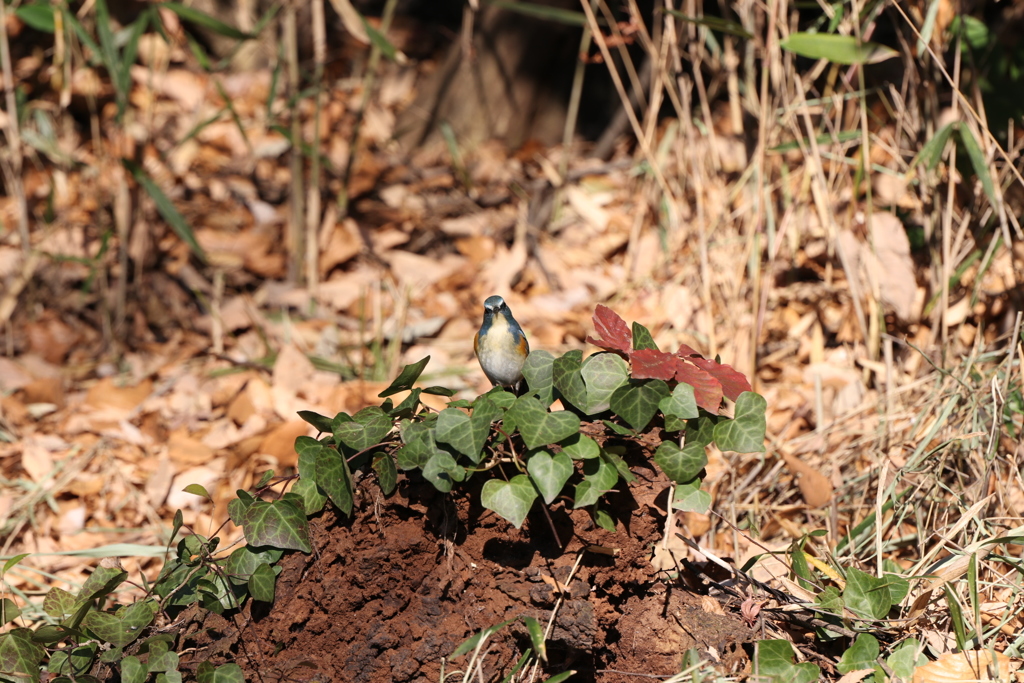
389, 593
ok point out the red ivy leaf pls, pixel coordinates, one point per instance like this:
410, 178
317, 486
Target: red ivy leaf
733, 382
706, 389
615, 334
654, 364
685, 350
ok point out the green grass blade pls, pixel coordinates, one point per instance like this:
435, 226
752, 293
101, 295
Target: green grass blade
561, 16
956, 616
38, 15
71, 20
111, 550
972, 591
203, 19
837, 49
713, 23
977, 158
163, 204
931, 152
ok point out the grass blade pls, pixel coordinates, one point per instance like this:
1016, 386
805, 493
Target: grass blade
37, 15
203, 19
163, 204
931, 152
713, 23
977, 158
561, 16
838, 49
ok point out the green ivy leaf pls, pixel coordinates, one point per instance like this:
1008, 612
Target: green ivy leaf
467, 434
111, 656
58, 603
179, 578
216, 594
9, 611
898, 587
225, 673
621, 430
312, 498
124, 626
264, 480
603, 373
161, 657
637, 401
774, 660
642, 338
47, 634
177, 523
599, 477
236, 509
334, 477
308, 449
681, 465
453, 428
72, 661
387, 473
367, 428
280, 524
907, 656
242, 562
419, 446
830, 600
322, 423
133, 670
539, 427
442, 471
197, 490
745, 432
861, 655
537, 372
101, 582
405, 379
604, 519
613, 456
580, 447
485, 411
549, 473
680, 405
866, 594
691, 498
19, 655
261, 583
509, 499
702, 430
565, 375
194, 548
408, 407
499, 397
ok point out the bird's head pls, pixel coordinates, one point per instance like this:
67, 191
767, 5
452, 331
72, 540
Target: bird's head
494, 304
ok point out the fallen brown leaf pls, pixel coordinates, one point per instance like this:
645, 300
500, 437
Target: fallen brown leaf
815, 487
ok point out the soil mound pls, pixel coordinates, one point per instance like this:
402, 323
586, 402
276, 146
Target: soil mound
390, 593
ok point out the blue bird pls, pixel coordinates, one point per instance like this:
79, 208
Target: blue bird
501, 345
